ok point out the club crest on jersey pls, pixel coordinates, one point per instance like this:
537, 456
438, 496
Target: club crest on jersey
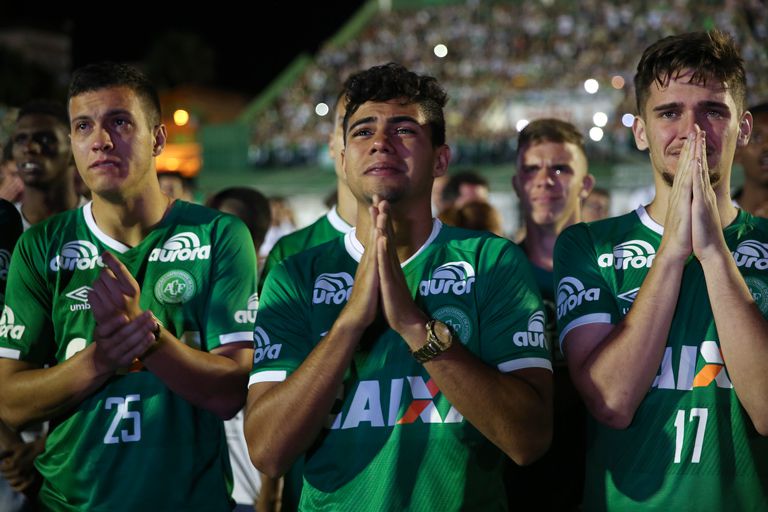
264, 349
751, 254
181, 247
80, 295
571, 293
5, 263
175, 287
456, 277
534, 336
635, 254
457, 320
248, 315
332, 288
77, 255
8, 325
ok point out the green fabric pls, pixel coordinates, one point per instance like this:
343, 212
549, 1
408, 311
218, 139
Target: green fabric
691, 445
394, 442
133, 444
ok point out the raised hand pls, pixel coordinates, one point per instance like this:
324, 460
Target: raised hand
677, 239
706, 229
115, 291
400, 311
363, 304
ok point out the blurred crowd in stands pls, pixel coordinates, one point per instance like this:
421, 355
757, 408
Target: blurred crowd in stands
506, 60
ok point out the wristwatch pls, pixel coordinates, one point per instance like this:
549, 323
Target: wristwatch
439, 339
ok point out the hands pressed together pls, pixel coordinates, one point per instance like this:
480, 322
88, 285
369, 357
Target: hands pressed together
380, 283
692, 224
123, 331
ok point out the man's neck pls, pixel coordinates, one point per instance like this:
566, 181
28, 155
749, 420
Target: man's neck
659, 206
411, 225
37, 204
129, 220
539, 243
346, 204
754, 196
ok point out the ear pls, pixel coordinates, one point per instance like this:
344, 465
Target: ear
443, 158
516, 186
161, 137
638, 129
343, 155
745, 129
587, 184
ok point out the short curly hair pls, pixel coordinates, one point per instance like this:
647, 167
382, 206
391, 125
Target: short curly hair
394, 81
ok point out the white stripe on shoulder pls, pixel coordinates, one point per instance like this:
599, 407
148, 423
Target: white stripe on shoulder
526, 362
10, 353
647, 221
234, 337
436, 227
337, 222
594, 318
107, 240
268, 376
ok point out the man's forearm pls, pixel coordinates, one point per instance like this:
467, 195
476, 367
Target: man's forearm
614, 372
33, 394
282, 420
514, 411
214, 381
743, 333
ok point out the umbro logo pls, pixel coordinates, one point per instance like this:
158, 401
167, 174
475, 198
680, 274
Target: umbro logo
80, 296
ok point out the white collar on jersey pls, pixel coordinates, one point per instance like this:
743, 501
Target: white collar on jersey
648, 221
337, 222
107, 240
356, 249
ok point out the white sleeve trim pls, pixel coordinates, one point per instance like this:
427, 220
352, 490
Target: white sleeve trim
10, 353
234, 337
527, 362
268, 376
594, 318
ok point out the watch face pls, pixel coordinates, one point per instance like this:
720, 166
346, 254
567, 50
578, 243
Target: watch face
443, 334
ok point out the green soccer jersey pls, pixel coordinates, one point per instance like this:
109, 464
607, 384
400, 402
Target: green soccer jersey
133, 444
691, 445
393, 442
326, 228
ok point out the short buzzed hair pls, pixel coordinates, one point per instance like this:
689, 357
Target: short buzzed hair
103, 75
549, 130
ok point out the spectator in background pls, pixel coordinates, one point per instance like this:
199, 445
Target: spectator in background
753, 195
283, 223
597, 205
11, 186
176, 185
552, 179
41, 150
339, 219
464, 187
478, 215
252, 207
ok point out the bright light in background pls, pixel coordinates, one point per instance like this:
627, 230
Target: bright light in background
521, 124
181, 117
627, 120
617, 82
322, 109
591, 86
441, 50
600, 119
595, 133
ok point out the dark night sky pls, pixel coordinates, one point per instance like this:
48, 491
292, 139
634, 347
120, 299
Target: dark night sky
250, 49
